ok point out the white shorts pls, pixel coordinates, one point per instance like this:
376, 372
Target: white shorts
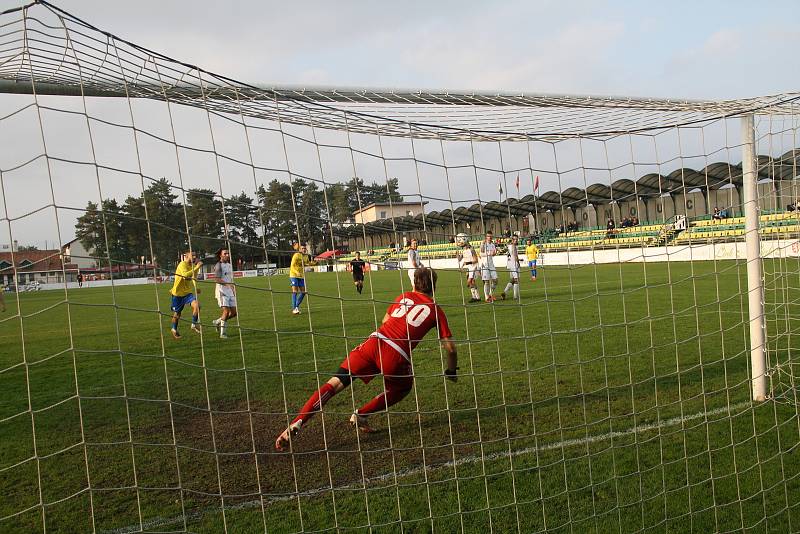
226, 301
472, 270
488, 272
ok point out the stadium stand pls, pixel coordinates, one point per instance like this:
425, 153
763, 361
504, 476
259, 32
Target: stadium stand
705, 229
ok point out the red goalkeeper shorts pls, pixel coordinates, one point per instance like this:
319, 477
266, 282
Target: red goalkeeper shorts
374, 357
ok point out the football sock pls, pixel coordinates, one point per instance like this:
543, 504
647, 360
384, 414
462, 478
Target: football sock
300, 297
294, 300
486, 290
222, 327
383, 400
195, 319
175, 323
516, 291
474, 291
315, 403
508, 287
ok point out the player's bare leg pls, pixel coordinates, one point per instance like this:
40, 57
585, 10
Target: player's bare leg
196, 316
176, 316
313, 405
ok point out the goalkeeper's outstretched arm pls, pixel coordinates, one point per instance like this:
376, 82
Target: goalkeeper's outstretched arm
452, 359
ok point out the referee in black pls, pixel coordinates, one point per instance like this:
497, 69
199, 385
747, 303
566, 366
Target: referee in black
357, 267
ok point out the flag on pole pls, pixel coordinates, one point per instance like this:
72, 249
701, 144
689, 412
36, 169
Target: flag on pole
536, 184
518, 186
500, 188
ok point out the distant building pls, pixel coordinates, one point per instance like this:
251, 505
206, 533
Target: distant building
75, 253
13, 247
45, 266
387, 210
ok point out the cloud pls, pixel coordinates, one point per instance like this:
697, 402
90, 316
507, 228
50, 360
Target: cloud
733, 63
564, 59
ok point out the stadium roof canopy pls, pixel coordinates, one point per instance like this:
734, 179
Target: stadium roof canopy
653, 185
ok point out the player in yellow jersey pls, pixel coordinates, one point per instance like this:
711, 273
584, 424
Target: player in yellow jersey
532, 255
297, 276
183, 292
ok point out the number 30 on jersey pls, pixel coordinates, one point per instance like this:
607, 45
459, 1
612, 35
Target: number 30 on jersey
415, 315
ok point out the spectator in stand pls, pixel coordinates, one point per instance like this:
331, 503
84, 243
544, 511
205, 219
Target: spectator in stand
610, 228
723, 213
635, 221
716, 216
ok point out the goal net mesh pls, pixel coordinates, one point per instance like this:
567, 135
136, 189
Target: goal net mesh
610, 390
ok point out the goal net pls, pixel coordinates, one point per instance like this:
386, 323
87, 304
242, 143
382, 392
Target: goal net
638, 376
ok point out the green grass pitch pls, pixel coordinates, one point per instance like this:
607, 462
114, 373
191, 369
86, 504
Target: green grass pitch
612, 398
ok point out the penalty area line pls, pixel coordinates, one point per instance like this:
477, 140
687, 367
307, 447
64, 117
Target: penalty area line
413, 471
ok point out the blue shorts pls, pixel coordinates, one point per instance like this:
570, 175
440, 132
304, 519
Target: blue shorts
179, 302
297, 282
532, 264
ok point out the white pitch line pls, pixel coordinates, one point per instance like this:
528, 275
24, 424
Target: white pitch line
413, 471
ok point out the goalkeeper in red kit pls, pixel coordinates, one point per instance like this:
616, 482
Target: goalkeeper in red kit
386, 351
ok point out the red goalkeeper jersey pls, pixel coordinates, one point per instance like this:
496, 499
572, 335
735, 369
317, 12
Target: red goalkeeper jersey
411, 316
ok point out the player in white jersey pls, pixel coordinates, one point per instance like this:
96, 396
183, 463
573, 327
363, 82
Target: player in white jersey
224, 290
512, 264
414, 261
488, 270
468, 260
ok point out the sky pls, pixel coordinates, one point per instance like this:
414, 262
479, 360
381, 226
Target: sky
697, 50
703, 50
